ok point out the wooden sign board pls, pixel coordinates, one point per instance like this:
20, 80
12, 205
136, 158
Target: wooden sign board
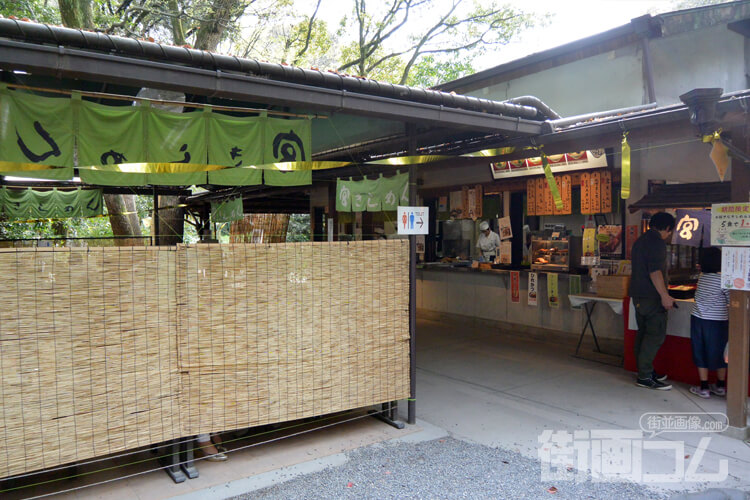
596, 198
531, 197
606, 192
586, 193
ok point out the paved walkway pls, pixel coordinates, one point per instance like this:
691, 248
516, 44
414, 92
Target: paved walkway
490, 391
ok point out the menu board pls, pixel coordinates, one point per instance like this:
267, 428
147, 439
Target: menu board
586, 193
606, 192
531, 197
457, 204
541, 200
471, 203
730, 224
567, 194
735, 268
596, 198
465, 202
478, 200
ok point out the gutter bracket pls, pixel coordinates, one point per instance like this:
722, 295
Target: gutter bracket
59, 66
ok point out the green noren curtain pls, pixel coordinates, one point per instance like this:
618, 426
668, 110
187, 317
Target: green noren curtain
36, 129
235, 142
29, 204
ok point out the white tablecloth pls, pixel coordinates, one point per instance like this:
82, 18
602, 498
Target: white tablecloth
678, 320
579, 300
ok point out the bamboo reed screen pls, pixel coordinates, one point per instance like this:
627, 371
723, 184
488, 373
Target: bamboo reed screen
107, 349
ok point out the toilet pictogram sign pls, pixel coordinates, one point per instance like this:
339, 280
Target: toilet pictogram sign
413, 220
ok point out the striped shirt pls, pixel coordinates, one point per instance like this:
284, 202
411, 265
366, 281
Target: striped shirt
711, 301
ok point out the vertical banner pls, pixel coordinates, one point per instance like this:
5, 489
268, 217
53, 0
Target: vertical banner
515, 287
532, 289
557, 200
541, 196
287, 140
471, 203
530, 197
553, 293
574, 284
586, 193
606, 192
566, 191
589, 247
596, 197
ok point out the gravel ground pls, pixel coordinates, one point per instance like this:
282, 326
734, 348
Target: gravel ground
442, 468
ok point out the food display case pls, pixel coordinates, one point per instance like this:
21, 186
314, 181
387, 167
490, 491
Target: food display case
554, 254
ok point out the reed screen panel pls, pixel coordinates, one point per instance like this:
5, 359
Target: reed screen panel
108, 349
276, 332
88, 353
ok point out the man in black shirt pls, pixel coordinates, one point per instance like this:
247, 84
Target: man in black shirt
648, 291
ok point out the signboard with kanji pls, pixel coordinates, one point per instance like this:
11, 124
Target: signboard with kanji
730, 224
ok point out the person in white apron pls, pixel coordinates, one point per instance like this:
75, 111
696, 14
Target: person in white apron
488, 242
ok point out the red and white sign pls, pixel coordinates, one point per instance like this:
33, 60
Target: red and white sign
533, 281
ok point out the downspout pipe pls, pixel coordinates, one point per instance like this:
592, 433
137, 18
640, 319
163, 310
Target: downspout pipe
552, 125
114, 45
535, 102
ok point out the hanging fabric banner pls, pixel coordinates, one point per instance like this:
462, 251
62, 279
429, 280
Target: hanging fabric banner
28, 204
551, 182
36, 129
110, 135
235, 141
236, 177
515, 292
625, 181
287, 140
693, 228
553, 292
177, 137
532, 293
382, 194
343, 196
280, 178
227, 211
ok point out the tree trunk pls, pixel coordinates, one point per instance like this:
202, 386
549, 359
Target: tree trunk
171, 221
123, 219
79, 14
212, 30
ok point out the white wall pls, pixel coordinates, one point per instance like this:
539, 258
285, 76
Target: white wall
607, 81
709, 57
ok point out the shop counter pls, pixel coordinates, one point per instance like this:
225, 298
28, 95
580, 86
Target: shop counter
485, 296
675, 358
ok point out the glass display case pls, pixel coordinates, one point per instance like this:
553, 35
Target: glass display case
548, 254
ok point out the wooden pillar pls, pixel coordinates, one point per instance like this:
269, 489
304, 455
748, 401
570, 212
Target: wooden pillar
739, 304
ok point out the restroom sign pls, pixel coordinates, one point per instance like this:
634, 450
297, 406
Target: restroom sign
413, 220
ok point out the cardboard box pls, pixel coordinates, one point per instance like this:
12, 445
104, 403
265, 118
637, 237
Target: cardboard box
614, 286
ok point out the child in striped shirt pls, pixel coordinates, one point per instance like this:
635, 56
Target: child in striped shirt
709, 325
